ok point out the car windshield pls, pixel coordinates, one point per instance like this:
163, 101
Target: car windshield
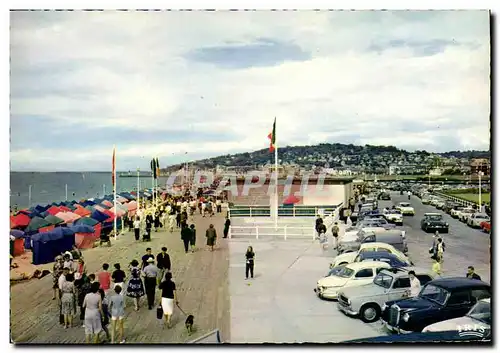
404, 204
435, 217
466, 210
482, 312
481, 216
394, 212
383, 280
434, 294
345, 272
334, 271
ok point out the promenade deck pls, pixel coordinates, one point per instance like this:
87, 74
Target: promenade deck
201, 279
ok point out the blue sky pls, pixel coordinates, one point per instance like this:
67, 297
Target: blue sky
210, 83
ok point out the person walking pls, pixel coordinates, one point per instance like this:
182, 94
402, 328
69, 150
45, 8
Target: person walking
250, 258
163, 264
318, 222
185, 236
146, 257
135, 288
118, 276
57, 271
178, 219
82, 283
104, 278
472, 274
192, 240
218, 204
150, 273
137, 228
415, 285
211, 235
149, 225
171, 221
168, 297
335, 234
68, 300
227, 224
93, 313
106, 315
117, 310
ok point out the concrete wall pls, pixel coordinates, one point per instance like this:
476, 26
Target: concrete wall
330, 195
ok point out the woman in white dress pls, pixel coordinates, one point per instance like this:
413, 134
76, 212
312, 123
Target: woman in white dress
168, 297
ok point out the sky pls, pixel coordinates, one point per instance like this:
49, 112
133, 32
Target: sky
210, 83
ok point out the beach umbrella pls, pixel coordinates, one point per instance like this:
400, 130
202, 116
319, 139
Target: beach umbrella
86, 221
16, 233
99, 216
26, 212
132, 205
53, 210
73, 216
121, 199
54, 220
99, 208
65, 231
65, 209
82, 212
20, 220
110, 214
119, 212
81, 228
291, 200
37, 223
64, 216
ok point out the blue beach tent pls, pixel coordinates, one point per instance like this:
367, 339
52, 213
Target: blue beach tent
46, 246
99, 216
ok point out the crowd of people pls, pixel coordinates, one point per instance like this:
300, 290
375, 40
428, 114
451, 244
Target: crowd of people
100, 298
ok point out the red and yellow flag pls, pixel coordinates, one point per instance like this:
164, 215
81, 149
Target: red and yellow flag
272, 137
113, 171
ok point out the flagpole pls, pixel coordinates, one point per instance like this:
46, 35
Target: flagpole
114, 193
276, 176
138, 188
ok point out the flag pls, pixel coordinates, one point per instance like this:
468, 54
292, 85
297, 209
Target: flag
272, 137
157, 168
113, 171
153, 168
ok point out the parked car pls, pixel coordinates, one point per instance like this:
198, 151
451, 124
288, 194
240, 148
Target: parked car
433, 222
443, 298
474, 220
394, 216
464, 213
434, 201
394, 237
440, 204
350, 257
426, 199
366, 301
384, 196
406, 209
352, 233
355, 274
486, 226
391, 259
449, 205
477, 319
455, 211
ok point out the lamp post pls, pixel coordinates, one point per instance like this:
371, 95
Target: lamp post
138, 188
479, 174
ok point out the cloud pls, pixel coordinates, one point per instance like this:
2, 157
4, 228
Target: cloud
162, 83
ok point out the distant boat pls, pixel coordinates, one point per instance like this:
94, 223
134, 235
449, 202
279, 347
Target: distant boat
134, 174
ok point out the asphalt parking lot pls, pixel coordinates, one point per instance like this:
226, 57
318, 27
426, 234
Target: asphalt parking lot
279, 305
464, 245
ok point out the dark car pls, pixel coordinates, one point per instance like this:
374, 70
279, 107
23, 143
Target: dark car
433, 222
439, 300
449, 205
384, 256
384, 196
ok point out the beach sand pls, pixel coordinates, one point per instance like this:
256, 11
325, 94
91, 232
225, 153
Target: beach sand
201, 279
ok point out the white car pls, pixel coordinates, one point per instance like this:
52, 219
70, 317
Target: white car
474, 220
462, 215
350, 257
394, 216
351, 275
406, 209
477, 319
455, 212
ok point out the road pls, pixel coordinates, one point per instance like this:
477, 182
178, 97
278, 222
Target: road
464, 245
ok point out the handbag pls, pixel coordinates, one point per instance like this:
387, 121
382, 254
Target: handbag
159, 312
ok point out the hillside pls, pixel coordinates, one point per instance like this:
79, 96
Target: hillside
368, 158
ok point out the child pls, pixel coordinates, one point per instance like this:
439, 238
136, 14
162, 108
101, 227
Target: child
117, 309
436, 265
104, 278
105, 319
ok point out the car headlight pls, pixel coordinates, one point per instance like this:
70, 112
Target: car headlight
427, 224
446, 224
406, 317
384, 306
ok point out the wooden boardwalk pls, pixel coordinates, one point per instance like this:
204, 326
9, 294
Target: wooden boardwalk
202, 286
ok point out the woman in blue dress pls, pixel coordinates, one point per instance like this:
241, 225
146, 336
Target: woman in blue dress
135, 287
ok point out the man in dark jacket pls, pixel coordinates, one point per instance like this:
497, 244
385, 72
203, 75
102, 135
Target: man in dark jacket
472, 274
163, 263
227, 224
185, 236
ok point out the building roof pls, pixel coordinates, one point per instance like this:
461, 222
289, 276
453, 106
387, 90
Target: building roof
455, 283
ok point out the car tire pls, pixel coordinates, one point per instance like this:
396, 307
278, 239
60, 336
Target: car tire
369, 313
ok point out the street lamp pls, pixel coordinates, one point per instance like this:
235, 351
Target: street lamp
479, 174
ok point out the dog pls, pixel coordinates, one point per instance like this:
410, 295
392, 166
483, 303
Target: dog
189, 324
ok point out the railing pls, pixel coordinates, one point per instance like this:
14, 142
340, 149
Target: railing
261, 231
212, 337
457, 200
283, 211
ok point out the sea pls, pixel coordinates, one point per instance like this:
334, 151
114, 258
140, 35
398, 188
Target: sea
51, 187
